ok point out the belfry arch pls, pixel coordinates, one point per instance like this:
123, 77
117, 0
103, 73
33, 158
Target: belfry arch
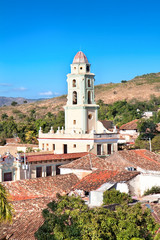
89, 97
74, 97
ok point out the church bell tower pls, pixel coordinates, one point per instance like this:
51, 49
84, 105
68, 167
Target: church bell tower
81, 111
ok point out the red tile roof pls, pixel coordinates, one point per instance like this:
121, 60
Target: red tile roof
141, 158
107, 124
96, 179
90, 162
26, 221
29, 197
47, 157
40, 187
130, 125
80, 57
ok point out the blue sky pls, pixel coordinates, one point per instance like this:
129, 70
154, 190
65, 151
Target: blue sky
39, 38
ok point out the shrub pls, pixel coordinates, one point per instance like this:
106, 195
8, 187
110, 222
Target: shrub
114, 196
154, 189
14, 103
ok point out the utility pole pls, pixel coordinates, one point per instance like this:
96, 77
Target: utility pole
150, 145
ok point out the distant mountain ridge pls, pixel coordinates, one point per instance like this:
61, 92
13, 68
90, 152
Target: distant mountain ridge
140, 88
8, 100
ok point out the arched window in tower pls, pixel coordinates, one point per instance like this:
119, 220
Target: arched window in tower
87, 68
89, 82
89, 97
74, 97
74, 83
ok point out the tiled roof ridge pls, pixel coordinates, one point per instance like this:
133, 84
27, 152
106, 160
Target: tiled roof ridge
66, 154
126, 124
97, 172
141, 153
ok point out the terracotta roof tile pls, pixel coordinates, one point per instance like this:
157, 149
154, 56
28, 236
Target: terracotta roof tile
26, 221
141, 158
107, 124
90, 162
40, 187
46, 157
29, 197
80, 57
130, 125
96, 179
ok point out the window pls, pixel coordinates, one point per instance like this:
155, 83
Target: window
109, 148
87, 68
89, 97
74, 67
98, 149
89, 82
81, 68
74, 97
89, 116
74, 145
74, 83
65, 148
74, 122
53, 147
8, 176
42, 146
47, 147
48, 171
38, 172
57, 169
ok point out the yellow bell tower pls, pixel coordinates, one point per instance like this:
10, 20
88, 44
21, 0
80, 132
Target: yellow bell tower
81, 111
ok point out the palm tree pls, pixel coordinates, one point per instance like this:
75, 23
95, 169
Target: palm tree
5, 206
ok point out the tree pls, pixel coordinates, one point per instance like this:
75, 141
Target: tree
5, 207
70, 218
4, 116
14, 103
114, 196
155, 143
147, 129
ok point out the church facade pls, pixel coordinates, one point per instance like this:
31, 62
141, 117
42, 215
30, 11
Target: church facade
83, 132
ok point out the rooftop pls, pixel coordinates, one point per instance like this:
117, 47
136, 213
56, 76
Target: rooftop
90, 162
80, 57
107, 124
29, 197
40, 187
51, 156
141, 158
26, 221
130, 125
96, 179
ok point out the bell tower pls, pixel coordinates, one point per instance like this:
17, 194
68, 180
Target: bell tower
81, 111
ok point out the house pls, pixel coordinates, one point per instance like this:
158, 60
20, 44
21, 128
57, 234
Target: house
143, 161
33, 165
29, 197
43, 165
86, 165
83, 132
96, 183
10, 167
129, 131
147, 115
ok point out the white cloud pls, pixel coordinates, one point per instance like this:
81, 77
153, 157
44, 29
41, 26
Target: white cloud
5, 84
48, 93
21, 89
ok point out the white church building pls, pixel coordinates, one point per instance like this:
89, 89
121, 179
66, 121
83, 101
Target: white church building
83, 132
